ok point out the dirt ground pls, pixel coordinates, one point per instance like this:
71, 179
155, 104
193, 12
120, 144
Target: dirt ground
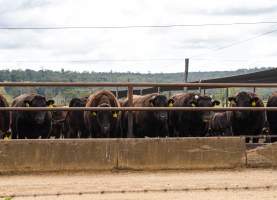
242, 184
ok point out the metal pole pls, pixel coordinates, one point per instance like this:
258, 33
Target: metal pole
226, 97
186, 73
116, 92
254, 90
130, 113
199, 87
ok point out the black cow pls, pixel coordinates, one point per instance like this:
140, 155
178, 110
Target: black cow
4, 118
247, 122
74, 122
31, 124
272, 116
220, 124
150, 124
58, 119
190, 123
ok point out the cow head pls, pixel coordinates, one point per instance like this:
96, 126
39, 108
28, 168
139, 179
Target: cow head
243, 99
37, 117
161, 101
105, 119
76, 102
203, 101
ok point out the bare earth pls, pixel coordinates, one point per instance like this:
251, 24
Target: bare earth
215, 185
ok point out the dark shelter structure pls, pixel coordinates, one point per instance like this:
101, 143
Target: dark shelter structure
267, 76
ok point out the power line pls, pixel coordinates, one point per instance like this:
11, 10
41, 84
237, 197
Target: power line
133, 26
94, 60
236, 43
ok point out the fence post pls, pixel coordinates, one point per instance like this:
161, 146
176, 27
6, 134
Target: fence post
130, 113
200, 89
226, 97
186, 73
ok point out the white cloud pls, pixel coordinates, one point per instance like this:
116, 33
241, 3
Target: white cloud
118, 44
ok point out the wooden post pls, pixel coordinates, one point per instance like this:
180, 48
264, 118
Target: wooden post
130, 113
186, 73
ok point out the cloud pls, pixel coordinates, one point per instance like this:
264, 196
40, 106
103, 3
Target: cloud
143, 46
242, 11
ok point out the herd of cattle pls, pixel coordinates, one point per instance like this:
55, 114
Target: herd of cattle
110, 124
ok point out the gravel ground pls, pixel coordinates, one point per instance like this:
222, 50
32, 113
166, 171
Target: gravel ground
242, 184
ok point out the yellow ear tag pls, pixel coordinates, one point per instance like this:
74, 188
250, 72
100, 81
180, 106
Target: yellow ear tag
8, 136
115, 115
193, 105
93, 113
253, 104
27, 105
51, 106
170, 104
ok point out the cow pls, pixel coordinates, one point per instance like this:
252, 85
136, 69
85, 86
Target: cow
31, 124
272, 115
247, 122
149, 123
220, 124
190, 123
4, 118
103, 124
74, 125
58, 119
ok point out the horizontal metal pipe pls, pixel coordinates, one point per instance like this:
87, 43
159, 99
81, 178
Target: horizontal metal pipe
137, 108
126, 84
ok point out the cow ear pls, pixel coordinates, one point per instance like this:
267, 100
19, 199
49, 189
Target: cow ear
232, 99
27, 103
193, 103
152, 100
215, 103
115, 114
50, 102
171, 103
254, 101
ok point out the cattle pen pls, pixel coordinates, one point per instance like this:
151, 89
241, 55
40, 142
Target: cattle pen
98, 155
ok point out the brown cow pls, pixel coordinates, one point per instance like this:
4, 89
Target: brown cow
102, 124
150, 124
4, 118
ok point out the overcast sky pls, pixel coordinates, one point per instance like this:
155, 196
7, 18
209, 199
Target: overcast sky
141, 48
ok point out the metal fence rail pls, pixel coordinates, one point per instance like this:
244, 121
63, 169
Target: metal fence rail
195, 109
129, 84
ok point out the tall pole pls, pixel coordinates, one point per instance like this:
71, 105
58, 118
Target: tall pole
130, 113
186, 73
226, 97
